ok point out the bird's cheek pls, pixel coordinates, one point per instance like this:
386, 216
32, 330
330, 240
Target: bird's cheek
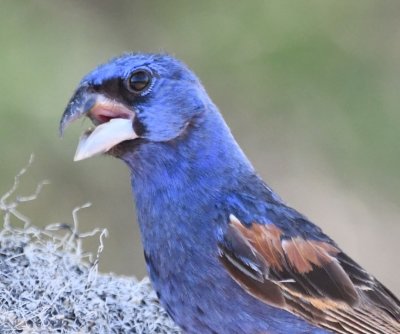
160, 123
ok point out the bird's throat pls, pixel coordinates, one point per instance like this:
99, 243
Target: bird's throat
175, 181
198, 160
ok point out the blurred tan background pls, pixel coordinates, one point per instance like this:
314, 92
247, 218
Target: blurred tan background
309, 88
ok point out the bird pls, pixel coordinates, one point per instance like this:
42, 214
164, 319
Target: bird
225, 254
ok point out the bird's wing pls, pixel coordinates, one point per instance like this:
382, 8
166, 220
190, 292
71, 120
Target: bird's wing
311, 278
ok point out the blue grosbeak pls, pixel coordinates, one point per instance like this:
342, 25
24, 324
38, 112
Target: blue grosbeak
224, 253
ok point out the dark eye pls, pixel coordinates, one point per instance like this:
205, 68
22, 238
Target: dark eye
139, 81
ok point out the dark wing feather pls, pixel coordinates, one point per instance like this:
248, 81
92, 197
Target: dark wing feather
310, 278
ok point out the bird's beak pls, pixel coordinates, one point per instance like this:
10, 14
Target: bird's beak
113, 122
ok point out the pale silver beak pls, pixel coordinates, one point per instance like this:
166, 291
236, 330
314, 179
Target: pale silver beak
113, 122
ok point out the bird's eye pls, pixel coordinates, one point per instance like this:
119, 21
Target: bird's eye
139, 81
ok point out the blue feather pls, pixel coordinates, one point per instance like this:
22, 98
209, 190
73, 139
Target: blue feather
188, 176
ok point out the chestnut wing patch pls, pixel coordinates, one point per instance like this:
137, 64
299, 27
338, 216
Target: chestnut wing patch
310, 278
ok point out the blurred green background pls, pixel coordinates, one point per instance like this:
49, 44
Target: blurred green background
309, 88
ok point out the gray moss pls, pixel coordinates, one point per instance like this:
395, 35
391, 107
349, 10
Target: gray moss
48, 284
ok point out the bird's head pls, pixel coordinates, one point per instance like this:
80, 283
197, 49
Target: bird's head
148, 97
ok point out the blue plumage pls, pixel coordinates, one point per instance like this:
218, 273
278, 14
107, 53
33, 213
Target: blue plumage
224, 253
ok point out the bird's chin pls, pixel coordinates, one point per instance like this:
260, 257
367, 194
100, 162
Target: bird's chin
125, 149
